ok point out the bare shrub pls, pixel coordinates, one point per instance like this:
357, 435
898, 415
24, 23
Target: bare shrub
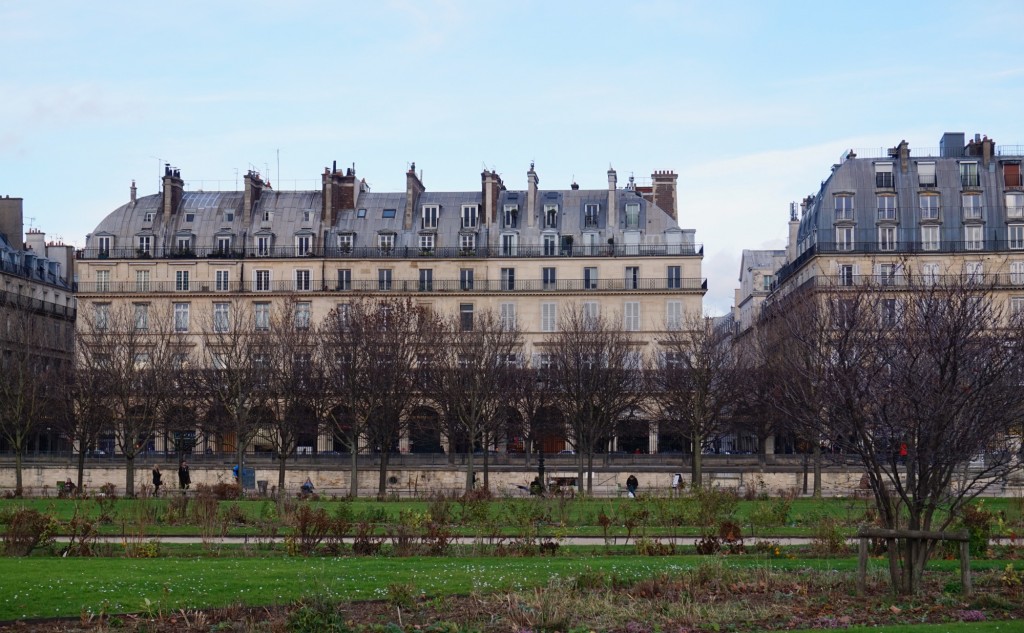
25, 530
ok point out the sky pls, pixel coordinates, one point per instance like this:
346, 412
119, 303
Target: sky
749, 102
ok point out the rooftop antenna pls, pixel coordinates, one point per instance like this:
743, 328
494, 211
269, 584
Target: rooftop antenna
159, 172
30, 222
236, 179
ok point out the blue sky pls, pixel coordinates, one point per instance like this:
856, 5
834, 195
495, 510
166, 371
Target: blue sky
750, 102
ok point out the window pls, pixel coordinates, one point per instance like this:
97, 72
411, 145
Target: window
972, 206
466, 317
307, 215
550, 278
102, 281
889, 311
887, 238
426, 244
101, 315
632, 277
303, 245
385, 243
973, 237
969, 175
223, 244
466, 279
844, 207
1016, 306
974, 271
844, 238
548, 317
221, 281
1012, 175
509, 243
1015, 236
181, 317
930, 273
846, 275
467, 243
591, 313
550, 216
142, 281
929, 207
229, 216
181, 280
344, 314
886, 207
1015, 205
104, 245
508, 278
590, 278
344, 279
766, 282
550, 245
675, 280
361, 213
145, 245
142, 316
384, 279
631, 314
510, 217
469, 213
302, 280
148, 217
263, 246
426, 279
674, 315
926, 174
268, 216
590, 212
261, 315
429, 216
887, 274
883, 176
507, 316
262, 278
388, 213
1017, 272
345, 242
633, 215
184, 244
303, 311
930, 237
221, 317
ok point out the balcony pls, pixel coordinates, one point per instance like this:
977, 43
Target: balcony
400, 252
886, 213
442, 286
971, 213
844, 215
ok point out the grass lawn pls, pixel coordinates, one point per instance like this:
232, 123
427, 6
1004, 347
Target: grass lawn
49, 587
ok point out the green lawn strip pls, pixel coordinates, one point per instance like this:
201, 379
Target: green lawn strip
52, 587
1000, 626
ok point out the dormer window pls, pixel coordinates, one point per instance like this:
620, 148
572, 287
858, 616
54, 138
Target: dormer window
268, 216
633, 215
386, 243
1012, 176
223, 244
184, 244
145, 245
148, 218
190, 217
929, 207
345, 242
469, 213
430, 213
844, 208
926, 174
969, 175
883, 176
229, 216
263, 245
886, 207
511, 216
303, 245
551, 216
104, 242
307, 215
590, 216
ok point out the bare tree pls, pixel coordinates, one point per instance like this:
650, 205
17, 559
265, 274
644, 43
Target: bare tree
470, 372
757, 380
32, 350
695, 383
83, 413
372, 349
532, 395
917, 381
133, 362
595, 372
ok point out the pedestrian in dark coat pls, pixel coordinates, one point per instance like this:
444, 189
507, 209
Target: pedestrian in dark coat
184, 479
158, 480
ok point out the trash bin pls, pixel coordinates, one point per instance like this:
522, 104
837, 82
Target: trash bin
262, 485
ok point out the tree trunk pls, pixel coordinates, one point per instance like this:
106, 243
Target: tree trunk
281, 467
528, 449
579, 471
382, 478
590, 473
81, 467
817, 470
469, 472
129, 476
353, 475
240, 460
696, 465
487, 460
762, 453
18, 489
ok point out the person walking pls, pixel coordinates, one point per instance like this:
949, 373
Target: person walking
631, 486
157, 480
184, 478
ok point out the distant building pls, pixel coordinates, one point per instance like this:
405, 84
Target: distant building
527, 255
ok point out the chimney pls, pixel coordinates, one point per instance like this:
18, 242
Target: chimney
253, 191
133, 191
173, 190
35, 241
794, 232
574, 186
413, 188
664, 185
903, 152
11, 221
988, 150
531, 195
613, 212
